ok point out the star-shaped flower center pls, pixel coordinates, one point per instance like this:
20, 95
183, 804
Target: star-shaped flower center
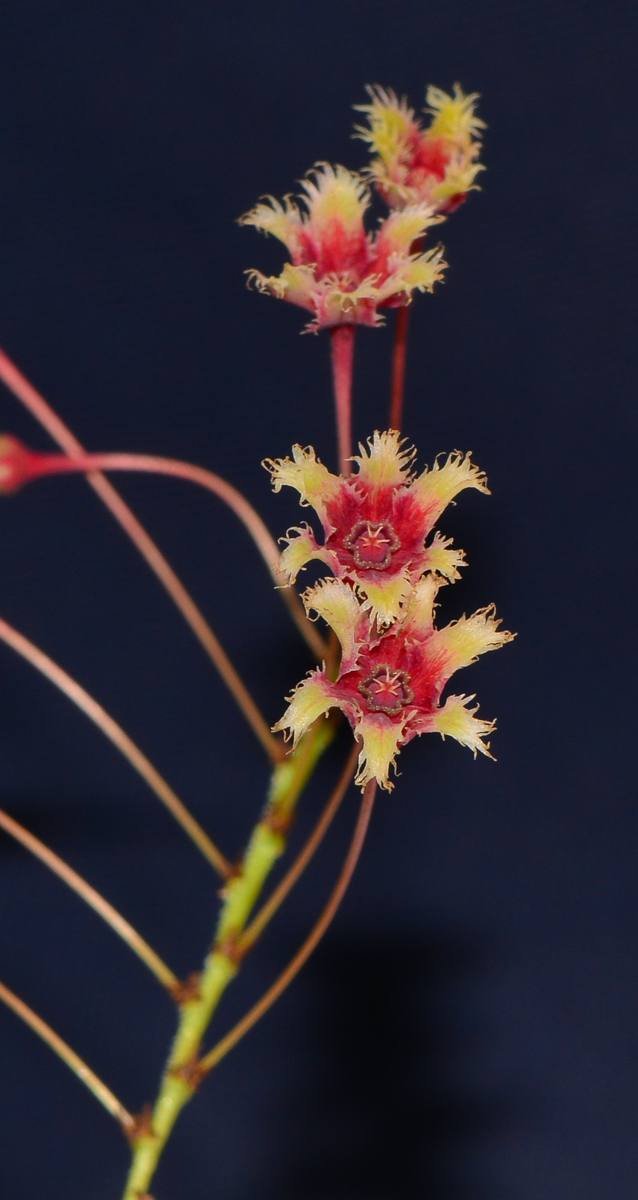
387, 690
372, 545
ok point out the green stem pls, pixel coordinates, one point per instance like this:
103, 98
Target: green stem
267, 844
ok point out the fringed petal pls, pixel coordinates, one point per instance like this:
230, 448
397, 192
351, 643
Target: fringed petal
419, 611
312, 698
295, 284
336, 305
385, 599
460, 173
313, 481
453, 117
339, 607
417, 274
441, 558
335, 194
462, 641
282, 220
301, 549
392, 124
456, 720
382, 738
385, 460
397, 233
436, 488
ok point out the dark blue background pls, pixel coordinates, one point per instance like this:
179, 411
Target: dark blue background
468, 1029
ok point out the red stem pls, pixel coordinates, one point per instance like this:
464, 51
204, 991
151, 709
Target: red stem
398, 366
342, 348
42, 411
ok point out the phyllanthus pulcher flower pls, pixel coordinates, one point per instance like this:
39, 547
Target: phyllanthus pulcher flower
377, 520
412, 165
340, 273
389, 685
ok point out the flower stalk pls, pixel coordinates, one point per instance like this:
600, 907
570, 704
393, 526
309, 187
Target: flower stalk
342, 354
399, 358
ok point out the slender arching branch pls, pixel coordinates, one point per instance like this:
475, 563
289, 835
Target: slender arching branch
94, 711
62, 435
72, 1060
93, 898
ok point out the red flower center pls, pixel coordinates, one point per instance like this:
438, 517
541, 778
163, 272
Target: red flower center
372, 544
387, 690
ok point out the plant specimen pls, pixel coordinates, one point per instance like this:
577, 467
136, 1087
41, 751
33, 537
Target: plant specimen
382, 661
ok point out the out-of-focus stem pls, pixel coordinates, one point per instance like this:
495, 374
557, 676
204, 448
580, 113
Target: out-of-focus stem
55, 464
72, 1060
45, 415
266, 845
342, 350
93, 898
398, 366
75, 692
255, 1014
295, 871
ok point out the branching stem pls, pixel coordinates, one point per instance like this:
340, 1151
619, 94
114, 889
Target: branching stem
266, 845
295, 871
231, 1039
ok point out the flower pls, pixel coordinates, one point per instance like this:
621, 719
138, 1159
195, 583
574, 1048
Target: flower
436, 166
376, 521
339, 273
390, 684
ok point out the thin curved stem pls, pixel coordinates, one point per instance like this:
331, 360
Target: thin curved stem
294, 872
72, 1060
398, 366
342, 354
242, 1027
41, 410
93, 898
90, 707
86, 464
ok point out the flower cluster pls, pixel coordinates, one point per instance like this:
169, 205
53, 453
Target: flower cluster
387, 568
340, 273
412, 165
344, 275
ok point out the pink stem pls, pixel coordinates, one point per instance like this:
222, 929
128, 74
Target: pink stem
342, 347
114, 732
61, 464
398, 366
45, 415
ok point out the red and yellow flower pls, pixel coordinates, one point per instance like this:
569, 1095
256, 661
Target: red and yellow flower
412, 165
390, 684
376, 522
339, 272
